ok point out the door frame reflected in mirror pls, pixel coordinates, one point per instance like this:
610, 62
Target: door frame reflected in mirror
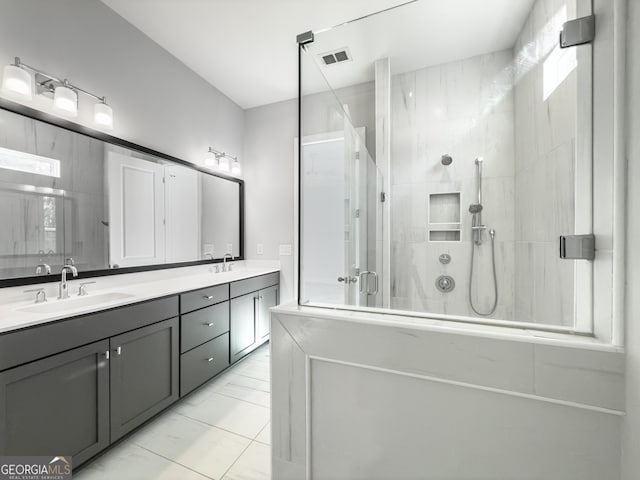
13, 107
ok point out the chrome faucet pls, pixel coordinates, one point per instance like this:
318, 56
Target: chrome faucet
224, 262
63, 288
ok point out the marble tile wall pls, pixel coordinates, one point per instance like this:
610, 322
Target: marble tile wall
464, 109
545, 139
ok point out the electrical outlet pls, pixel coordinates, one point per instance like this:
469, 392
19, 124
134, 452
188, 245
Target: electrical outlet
285, 249
260, 249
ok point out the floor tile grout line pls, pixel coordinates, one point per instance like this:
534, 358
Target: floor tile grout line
205, 424
246, 401
178, 463
235, 433
260, 433
255, 378
235, 461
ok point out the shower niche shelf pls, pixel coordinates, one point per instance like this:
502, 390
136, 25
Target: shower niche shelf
444, 217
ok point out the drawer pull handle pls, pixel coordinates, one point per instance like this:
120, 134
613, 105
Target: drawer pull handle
209, 324
208, 297
210, 359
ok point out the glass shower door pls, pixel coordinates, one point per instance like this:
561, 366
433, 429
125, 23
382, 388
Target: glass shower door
356, 226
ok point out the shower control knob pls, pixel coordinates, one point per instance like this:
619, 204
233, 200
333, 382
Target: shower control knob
445, 283
445, 258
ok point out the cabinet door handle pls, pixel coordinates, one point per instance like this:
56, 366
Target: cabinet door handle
106, 354
119, 350
210, 359
210, 324
208, 297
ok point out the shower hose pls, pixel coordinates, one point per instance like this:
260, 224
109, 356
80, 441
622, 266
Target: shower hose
492, 233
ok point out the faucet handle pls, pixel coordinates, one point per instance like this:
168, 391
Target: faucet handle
82, 289
41, 294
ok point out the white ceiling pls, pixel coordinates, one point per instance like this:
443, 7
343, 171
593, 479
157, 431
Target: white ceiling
247, 48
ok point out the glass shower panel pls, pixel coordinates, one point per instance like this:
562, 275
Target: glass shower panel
336, 264
489, 161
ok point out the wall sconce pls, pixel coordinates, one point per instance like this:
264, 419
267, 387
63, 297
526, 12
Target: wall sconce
220, 160
19, 79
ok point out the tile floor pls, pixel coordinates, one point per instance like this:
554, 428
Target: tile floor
220, 432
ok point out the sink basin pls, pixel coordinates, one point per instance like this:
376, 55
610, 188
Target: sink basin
54, 306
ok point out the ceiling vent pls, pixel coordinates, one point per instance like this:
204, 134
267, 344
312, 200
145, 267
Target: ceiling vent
336, 56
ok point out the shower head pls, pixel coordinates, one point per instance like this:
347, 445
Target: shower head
479, 160
446, 159
475, 208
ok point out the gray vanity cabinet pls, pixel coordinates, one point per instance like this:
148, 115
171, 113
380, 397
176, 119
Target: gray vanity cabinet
204, 335
58, 405
243, 325
267, 298
144, 374
250, 313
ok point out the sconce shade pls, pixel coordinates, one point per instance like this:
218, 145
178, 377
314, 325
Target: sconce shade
66, 100
16, 80
210, 159
103, 115
235, 167
224, 164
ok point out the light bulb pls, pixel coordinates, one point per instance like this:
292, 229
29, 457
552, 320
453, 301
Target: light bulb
224, 164
210, 159
15, 80
66, 100
235, 167
103, 115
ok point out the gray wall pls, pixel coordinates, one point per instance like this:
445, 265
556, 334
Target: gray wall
269, 173
631, 424
157, 101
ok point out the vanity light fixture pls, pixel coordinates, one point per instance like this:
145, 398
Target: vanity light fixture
211, 159
16, 80
19, 79
66, 99
220, 160
224, 163
235, 167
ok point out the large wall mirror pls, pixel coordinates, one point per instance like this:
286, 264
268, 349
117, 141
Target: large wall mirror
69, 195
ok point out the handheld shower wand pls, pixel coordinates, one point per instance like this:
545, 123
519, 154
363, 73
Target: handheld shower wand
475, 209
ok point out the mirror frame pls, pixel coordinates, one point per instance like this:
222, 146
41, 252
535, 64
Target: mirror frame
29, 112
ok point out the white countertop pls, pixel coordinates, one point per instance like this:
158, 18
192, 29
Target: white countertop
137, 287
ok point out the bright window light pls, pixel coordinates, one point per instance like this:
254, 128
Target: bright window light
29, 163
557, 67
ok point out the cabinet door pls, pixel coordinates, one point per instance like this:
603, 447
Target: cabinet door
268, 298
243, 325
58, 405
144, 374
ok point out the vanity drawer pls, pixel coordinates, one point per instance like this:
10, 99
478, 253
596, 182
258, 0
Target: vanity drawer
254, 284
203, 325
203, 362
203, 298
